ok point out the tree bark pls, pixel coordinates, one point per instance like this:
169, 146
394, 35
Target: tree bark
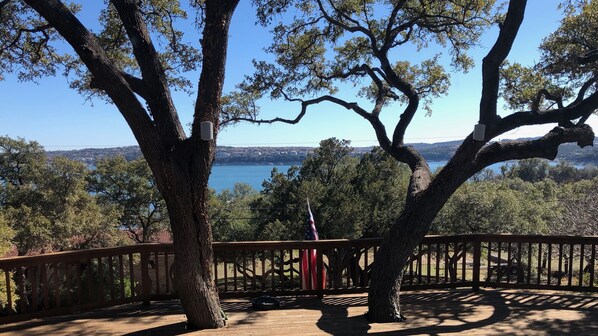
184, 185
186, 196
394, 253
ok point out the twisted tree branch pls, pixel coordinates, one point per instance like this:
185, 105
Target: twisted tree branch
496, 56
160, 100
546, 147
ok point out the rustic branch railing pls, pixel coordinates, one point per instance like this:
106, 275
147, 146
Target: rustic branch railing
65, 282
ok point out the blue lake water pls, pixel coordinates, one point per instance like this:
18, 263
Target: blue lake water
225, 177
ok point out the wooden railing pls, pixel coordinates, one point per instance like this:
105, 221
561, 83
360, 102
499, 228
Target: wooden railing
65, 282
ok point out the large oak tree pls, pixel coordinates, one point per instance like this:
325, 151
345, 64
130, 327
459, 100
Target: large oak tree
370, 44
124, 64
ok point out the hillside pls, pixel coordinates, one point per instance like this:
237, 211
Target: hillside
227, 155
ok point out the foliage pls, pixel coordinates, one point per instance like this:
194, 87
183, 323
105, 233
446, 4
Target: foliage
499, 206
531, 170
521, 86
31, 46
568, 63
20, 161
230, 213
570, 53
381, 185
27, 43
349, 198
579, 209
276, 212
129, 187
535, 170
46, 203
324, 179
6, 235
362, 197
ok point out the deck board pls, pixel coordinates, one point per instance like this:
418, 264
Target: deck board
442, 312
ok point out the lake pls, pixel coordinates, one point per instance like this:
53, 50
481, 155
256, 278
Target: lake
225, 177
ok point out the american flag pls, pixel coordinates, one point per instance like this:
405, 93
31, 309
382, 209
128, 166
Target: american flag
311, 233
309, 258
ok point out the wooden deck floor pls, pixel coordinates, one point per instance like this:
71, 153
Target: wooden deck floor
489, 312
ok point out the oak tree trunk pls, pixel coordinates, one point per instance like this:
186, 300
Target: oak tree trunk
403, 237
186, 197
390, 262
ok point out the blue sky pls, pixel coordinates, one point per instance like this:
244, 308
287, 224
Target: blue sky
57, 117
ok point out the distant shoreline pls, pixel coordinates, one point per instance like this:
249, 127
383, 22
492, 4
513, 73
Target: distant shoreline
257, 156
254, 163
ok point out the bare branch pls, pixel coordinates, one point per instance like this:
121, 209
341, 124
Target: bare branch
582, 92
304, 105
359, 70
402, 153
408, 90
496, 56
208, 103
584, 89
546, 94
339, 12
353, 29
404, 40
19, 33
545, 147
390, 31
589, 57
406, 117
527, 118
470, 151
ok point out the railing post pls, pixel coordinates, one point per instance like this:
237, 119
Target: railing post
320, 273
145, 278
8, 291
477, 262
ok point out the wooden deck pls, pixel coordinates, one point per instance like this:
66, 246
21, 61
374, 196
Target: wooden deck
443, 312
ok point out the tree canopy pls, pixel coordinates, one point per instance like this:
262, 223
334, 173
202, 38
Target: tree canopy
350, 197
46, 203
130, 187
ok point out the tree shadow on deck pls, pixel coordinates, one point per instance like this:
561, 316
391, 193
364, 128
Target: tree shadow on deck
457, 311
489, 312
121, 314
463, 311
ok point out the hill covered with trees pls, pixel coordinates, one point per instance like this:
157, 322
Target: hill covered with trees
228, 155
